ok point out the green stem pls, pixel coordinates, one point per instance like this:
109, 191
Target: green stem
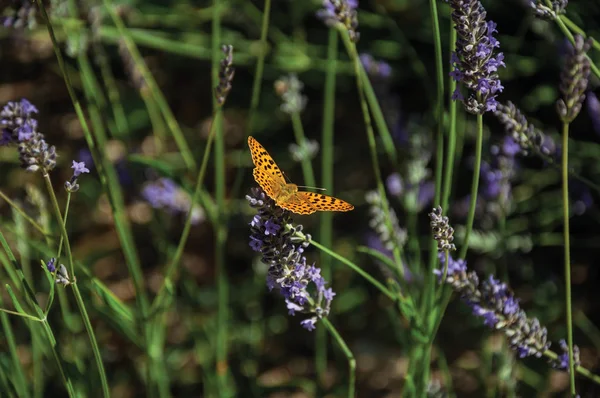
349, 356
573, 26
474, 187
57, 357
171, 272
307, 169
569, 36
359, 70
451, 147
220, 227
326, 224
73, 284
260, 65
354, 267
565, 199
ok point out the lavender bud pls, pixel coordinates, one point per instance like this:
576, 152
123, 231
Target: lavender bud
289, 88
562, 362
344, 12
574, 80
542, 11
226, 73
35, 154
443, 233
390, 233
517, 127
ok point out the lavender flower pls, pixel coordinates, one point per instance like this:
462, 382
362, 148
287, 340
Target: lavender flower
389, 231
394, 184
51, 265
497, 175
165, 194
289, 88
18, 124
562, 362
443, 233
35, 154
62, 276
491, 299
574, 80
525, 134
307, 150
78, 169
375, 69
20, 14
496, 305
341, 11
474, 62
226, 73
281, 244
541, 10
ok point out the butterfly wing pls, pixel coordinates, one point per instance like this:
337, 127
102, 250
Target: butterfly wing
297, 204
266, 172
323, 202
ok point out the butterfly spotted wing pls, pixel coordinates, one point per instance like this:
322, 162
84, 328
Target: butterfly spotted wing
322, 202
266, 172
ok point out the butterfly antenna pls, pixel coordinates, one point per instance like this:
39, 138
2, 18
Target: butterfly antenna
318, 189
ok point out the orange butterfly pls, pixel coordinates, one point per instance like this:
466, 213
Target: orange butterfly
270, 178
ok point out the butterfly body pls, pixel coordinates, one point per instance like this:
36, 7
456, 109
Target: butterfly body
286, 195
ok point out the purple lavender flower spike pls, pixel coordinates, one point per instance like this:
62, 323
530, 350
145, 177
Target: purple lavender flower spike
490, 299
495, 303
475, 64
574, 80
273, 234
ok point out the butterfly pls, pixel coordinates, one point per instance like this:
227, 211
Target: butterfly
286, 195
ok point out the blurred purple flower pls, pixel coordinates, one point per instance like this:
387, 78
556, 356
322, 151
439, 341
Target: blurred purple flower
165, 194
342, 11
274, 236
328, 14
593, 107
19, 14
375, 69
426, 194
581, 196
125, 179
394, 184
